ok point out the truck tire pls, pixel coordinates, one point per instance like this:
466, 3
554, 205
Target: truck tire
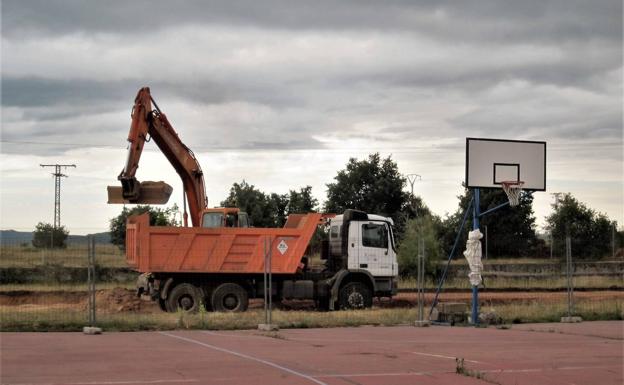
229, 297
355, 295
184, 296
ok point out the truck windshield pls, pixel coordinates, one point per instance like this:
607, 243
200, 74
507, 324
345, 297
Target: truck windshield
212, 220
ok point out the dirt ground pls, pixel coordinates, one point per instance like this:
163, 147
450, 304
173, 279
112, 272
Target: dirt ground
121, 300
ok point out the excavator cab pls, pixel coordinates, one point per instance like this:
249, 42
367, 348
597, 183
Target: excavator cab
224, 217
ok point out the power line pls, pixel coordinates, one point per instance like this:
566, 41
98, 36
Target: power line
57, 190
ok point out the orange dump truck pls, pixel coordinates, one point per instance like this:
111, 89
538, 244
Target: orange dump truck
223, 267
219, 262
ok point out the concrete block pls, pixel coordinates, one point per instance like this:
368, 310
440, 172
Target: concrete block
571, 319
91, 330
452, 307
423, 323
268, 327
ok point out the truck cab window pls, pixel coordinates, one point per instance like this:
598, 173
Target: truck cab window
243, 220
211, 220
375, 235
333, 233
230, 220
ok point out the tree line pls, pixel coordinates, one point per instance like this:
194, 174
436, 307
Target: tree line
375, 185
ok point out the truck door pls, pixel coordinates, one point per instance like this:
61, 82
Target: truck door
375, 251
353, 245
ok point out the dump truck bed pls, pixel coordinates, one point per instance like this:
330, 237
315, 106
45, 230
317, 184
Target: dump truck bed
218, 250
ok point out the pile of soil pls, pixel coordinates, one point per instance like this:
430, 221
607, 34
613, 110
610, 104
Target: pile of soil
119, 300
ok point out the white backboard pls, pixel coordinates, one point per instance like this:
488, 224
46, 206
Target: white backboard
492, 161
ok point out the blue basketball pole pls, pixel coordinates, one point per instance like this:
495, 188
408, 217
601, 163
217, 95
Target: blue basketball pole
475, 288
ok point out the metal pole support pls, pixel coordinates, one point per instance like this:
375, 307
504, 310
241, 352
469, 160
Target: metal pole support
421, 282
475, 288
268, 287
91, 329
570, 284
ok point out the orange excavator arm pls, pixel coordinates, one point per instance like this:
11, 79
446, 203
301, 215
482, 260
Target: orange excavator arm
153, 123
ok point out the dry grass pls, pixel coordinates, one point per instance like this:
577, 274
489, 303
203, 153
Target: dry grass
521, 312
534, 311
507, 261
528, 283
73, 256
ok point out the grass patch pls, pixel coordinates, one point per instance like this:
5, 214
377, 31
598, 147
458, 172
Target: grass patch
23, 256
50, 320
590, 310
74, 321
528, 283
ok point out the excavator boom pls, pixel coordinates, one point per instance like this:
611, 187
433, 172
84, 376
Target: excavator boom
153, 123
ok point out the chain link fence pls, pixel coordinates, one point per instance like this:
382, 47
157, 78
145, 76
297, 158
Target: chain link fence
43, 287
48, 289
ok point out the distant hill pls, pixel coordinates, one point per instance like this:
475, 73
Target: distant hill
12, 237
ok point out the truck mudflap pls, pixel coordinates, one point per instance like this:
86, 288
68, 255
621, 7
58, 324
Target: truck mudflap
151, 288
143, 285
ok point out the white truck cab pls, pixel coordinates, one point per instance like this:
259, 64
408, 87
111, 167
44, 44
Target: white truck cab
367, 242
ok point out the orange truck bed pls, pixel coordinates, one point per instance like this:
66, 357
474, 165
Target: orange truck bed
218, 250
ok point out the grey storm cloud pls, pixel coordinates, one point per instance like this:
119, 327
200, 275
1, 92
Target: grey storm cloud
532, 20
404, 53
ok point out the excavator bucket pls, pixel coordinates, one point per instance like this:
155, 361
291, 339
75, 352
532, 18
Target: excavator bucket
156, 193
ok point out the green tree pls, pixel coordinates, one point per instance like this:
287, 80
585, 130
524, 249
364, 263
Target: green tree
301, 201
372, 185
424, 227
45, 235
511, 230
158, 217
269, 210
277, 209
262, 211
590, 232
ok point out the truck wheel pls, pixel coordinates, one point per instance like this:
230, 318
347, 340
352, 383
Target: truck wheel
355, 295
229, 297
184, 296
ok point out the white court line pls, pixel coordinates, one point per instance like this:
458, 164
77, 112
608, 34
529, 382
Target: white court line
443, 356
176, 381
383, 374
235, 335
547, 369
241, 355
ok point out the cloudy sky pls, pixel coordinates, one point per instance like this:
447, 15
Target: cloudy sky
283, 93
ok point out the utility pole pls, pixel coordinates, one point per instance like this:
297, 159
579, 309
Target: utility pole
411, 178
57, 193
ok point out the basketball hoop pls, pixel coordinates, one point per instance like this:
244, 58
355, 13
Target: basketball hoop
513, 189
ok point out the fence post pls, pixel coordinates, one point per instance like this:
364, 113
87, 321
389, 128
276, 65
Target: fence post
570, 284
569, 274
268, 288
613, 240
91, 329
265, 286
420, 280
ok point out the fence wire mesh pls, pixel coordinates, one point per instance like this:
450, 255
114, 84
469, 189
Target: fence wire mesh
48, 289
